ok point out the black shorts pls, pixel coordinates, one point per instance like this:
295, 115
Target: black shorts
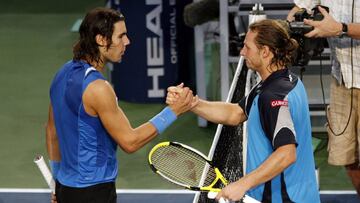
100, 193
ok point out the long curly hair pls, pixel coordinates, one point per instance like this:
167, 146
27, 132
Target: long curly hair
275, 35
97, 21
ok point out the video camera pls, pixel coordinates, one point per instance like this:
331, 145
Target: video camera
308, 47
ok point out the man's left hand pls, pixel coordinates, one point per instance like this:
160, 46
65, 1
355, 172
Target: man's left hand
328, 27
234, 191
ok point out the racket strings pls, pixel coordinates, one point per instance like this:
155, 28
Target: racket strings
210, 177
178, 165
181, 165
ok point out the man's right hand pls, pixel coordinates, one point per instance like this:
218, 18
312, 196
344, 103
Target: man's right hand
174, 93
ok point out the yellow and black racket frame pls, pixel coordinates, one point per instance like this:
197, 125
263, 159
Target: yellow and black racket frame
208, 188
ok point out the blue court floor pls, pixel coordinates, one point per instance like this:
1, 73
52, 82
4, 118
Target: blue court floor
150, 196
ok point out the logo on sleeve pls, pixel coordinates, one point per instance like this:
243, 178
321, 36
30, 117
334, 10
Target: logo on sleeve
275, 103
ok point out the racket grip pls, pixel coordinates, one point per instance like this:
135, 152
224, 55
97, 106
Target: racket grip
212, 195
39, 161
248, 199
222, 200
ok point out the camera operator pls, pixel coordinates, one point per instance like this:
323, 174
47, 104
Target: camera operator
341, 27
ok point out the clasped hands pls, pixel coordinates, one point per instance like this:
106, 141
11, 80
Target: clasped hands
181, 99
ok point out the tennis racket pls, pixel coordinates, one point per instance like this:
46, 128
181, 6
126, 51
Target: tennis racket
184, 166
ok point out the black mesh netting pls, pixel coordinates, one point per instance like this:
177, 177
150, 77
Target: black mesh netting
228, 151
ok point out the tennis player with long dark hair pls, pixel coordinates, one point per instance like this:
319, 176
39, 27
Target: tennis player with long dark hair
85, 123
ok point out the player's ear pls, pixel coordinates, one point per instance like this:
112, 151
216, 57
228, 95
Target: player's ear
265, 51
100, 40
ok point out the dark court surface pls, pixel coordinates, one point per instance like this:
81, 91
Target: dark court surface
151, 196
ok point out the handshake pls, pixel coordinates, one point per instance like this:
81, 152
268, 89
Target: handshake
181, 99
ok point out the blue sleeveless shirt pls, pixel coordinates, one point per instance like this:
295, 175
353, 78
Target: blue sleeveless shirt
88, 153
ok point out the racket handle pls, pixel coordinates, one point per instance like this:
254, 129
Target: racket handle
212, 195
222, 200
248, 199
39, 161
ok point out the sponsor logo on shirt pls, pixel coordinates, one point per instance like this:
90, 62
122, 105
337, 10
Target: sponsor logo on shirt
275, 103
290, 78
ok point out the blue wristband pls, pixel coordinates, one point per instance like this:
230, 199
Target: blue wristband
163, 119
55, 166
